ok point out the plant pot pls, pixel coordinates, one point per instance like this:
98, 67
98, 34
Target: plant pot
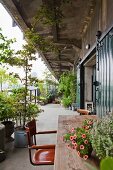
9, 129
20, 138
2, 155
2, 136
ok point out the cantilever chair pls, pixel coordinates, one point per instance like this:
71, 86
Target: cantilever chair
43, 154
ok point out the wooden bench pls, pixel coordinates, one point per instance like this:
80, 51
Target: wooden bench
67, 159
83, 111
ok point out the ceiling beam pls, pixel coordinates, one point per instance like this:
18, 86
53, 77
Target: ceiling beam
75, 42
62, 61
62, 67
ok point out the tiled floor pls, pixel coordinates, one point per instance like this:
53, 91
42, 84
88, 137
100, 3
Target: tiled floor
17, 158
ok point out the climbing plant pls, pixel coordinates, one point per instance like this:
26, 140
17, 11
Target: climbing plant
67, 87
35, 39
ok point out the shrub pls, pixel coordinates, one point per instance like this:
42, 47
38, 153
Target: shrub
102, 137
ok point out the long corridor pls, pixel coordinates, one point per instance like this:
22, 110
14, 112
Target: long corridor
17, 158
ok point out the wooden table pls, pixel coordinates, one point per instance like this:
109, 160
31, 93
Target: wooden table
65, 158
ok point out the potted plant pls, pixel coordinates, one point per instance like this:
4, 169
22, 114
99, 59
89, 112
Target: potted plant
102, 136
22, 116
7, 113
79, 139
26, 110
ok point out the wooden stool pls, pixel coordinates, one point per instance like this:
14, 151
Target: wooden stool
83, 111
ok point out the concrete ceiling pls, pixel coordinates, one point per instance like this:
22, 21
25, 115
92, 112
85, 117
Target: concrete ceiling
67, 35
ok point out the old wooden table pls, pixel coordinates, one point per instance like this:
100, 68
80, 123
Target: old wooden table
67, 159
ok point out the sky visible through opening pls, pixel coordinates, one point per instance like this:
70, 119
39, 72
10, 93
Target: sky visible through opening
14, 32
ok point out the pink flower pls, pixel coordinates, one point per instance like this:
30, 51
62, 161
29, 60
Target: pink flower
90, 122
84, 127
86, 142
83, 135
82, 147
87, 127
72, 130
68, 146
75, 145
78, 153
73, 142
71, 137
85, 157
75, 136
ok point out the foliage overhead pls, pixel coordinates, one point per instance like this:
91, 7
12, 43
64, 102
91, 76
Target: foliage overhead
36, 40
50, 13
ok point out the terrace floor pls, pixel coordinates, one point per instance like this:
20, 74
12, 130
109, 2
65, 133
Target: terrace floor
17, 158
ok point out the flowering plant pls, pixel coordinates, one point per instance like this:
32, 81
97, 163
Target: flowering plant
79, 139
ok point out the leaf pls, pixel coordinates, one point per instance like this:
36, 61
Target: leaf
107, 164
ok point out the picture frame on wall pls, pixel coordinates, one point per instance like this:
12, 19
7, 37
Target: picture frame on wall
89, 106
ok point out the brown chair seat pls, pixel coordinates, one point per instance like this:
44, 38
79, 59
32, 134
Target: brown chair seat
39, 154
44, 157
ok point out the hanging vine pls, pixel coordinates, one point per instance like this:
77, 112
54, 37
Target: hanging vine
50, 13
35, 39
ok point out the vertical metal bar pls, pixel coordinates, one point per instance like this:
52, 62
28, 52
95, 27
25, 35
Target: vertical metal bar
30, 95
35, 96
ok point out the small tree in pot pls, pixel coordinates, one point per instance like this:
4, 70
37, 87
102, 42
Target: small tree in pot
26, 110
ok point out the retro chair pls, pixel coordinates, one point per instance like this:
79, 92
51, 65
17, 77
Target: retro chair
39, 154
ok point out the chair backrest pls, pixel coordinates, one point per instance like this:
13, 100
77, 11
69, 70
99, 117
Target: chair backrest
31, 131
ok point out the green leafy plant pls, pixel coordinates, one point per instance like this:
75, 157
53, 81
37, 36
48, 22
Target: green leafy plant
102, 137
6, 78
106, 164
67, 87
66, 101
79, 139
7, 108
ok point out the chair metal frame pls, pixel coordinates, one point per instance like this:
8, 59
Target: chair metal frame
31, 134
